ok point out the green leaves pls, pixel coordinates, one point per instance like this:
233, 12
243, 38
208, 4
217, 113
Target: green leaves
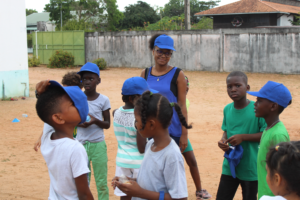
30, 11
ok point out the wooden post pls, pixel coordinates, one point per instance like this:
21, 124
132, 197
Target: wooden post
187, 14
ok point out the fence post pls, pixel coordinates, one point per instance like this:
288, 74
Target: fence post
36, 46
221, 51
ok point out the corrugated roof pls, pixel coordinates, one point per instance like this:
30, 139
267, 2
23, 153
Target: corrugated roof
37, 17
250, 6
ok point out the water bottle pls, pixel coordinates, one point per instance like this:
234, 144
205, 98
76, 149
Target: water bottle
88, 119
24, 115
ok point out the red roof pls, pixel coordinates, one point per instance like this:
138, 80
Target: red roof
251, 6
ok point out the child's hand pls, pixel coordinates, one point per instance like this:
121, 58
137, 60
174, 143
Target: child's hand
37, 145
235, 140
223, 145
132, 189
113, 182
42, 86
87, 124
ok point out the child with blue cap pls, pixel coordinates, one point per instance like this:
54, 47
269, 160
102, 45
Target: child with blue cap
272, 99
130, 142
91, 133
63, 108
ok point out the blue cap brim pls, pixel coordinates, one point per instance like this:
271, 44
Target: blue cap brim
153, 91
165, 47
86, 70
256, 94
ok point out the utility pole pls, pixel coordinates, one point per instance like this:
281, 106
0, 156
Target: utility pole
61, 16
187, 15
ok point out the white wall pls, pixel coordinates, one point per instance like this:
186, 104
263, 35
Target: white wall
284, 20
13, 51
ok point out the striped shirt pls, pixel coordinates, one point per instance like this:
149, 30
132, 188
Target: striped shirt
128, 155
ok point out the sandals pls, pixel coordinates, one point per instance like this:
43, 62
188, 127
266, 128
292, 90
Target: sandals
202, 194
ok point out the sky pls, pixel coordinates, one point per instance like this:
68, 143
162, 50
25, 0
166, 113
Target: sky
40, 4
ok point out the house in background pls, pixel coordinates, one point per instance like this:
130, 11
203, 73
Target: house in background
14, 80
253, 13
39, 21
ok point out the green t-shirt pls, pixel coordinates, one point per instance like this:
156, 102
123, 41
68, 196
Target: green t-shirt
243, 121
270, 138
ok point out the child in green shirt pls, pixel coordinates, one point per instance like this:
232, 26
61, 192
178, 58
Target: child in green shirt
272, 99
240, 127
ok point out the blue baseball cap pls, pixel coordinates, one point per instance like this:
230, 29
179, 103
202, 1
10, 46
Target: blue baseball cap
164, 42
78, 97
275, 92
234, 156
136, 85
90, 67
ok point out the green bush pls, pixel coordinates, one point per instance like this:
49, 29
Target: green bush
61, 59
101, 63
34, 62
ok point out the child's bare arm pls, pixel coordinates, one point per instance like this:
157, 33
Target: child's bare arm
141, 142
37, 144
239, 138
83, 190
42, 86
135, 190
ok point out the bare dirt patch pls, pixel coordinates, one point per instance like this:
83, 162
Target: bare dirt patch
24, 174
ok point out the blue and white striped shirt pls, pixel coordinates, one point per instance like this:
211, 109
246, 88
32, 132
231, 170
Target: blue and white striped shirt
128, 155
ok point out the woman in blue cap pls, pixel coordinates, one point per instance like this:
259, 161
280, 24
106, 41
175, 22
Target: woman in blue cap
170, 82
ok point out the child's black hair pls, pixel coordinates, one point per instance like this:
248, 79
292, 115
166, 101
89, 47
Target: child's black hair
72, 79
48, 103
240, 74
158, 106
152, 40
284, 159
125, 98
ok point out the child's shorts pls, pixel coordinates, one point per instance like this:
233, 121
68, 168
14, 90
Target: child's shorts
189, 145
129, 172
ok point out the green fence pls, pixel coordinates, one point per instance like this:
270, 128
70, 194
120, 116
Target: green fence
49, 42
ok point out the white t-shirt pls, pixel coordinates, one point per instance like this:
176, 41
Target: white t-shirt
163, 171
66, 160
94, 133
272, 198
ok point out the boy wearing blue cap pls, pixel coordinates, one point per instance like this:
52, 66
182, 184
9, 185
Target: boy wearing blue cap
241, 127
272, 99
90, 133
130, 143
64, 108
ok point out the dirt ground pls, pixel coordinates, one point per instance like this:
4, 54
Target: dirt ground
24, 174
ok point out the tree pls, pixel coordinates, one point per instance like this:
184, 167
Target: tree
296, 21
55, 7
30, 11
176, 8
114, 16
137, 15
86, 9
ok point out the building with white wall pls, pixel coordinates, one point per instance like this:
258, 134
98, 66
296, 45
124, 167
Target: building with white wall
14, 80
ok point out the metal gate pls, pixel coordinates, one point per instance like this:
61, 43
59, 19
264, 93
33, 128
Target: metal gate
49, 42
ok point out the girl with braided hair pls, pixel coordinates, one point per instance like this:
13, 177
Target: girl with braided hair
162, 173
170, 82
283, 171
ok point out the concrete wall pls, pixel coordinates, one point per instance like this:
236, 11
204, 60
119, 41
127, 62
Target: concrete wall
13, 52
272, 50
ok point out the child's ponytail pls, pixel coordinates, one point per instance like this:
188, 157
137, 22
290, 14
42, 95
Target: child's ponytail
158, 106
181, 117
284, 158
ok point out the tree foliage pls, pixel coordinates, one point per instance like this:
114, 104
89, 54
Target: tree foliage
176, 8
137, 14
55, 6
30, 11
86, 9
114, 16
296, 21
